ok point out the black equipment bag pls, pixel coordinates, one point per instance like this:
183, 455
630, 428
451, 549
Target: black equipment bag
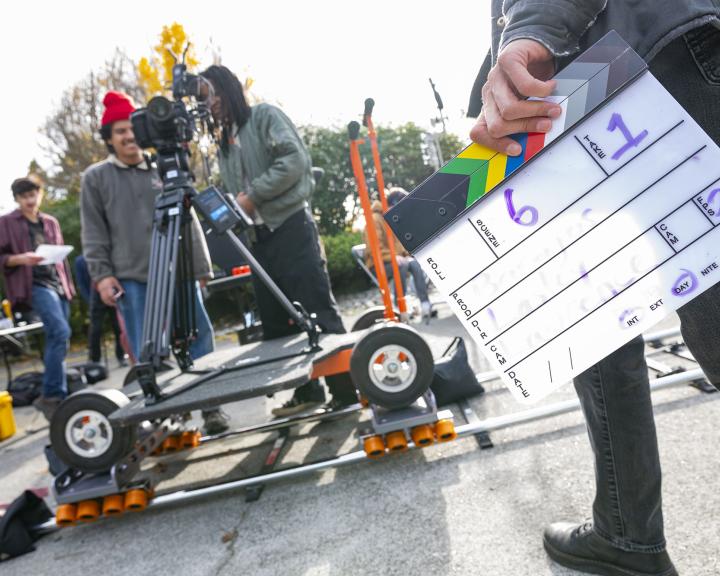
453, 378
16, 526
25, 388
92, 372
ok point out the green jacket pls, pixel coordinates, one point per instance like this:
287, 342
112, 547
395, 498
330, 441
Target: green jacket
268, 160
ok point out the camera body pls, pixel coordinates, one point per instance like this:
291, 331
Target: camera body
167, 124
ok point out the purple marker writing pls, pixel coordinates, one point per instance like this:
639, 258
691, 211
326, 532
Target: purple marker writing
686, 283
517, 216
616, 121
711, 197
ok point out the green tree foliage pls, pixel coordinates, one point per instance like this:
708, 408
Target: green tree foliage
329, 151
345, 274
335, 202
71, 131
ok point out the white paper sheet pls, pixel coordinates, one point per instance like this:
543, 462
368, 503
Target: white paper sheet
53, 253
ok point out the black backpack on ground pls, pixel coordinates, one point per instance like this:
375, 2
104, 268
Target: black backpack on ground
27, 387
453, 378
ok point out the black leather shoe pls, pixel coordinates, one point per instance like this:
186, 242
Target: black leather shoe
578, 547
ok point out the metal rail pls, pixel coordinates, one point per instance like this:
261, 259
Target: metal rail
486, 425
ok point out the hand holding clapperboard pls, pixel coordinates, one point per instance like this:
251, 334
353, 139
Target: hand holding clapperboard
555, 263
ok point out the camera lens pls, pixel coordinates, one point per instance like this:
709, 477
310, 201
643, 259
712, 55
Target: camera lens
160, 108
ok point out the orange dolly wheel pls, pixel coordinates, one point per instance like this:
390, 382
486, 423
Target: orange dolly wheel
66, 515
396, 441
112, 505
374, 447
88, 511
136, 500
422, 435
445, 430
190, 439
171, 444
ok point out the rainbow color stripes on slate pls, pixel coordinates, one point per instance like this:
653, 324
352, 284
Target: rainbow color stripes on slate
487, 168
581, 87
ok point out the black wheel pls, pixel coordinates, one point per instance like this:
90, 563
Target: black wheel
81, 434
371, 317
392, 365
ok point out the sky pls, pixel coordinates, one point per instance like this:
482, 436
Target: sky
318, 60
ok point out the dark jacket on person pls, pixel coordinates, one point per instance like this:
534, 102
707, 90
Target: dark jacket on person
117, 207
268, 160
566, 27
15, 239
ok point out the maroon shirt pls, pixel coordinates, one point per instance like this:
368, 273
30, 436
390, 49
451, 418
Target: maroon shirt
15, 239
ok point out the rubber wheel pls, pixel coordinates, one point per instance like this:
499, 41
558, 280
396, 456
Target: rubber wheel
422, 435
391, 365
445, 430
88, 511
171, 444
66, 515
371, 317
81, 434
396, 441
374, 447
113, 505
136, 500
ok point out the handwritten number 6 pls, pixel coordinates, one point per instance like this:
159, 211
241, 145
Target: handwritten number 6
517, 215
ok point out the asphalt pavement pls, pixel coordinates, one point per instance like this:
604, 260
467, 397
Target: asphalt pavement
448, 509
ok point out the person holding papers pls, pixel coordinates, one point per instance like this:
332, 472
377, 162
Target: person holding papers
47, 289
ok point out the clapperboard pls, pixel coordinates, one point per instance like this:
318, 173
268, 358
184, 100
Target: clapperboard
554, 259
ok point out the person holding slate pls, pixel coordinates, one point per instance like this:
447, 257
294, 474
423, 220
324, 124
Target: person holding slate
47, 289
681, 43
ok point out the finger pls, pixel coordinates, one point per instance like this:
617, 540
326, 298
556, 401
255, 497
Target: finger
513, 108
524, 82
498, 127
481, 135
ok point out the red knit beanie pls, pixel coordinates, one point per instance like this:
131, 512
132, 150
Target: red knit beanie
118, 106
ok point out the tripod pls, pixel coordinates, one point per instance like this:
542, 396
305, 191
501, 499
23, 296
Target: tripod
169, 318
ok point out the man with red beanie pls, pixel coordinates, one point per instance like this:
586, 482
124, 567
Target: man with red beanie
117, 206
47, 289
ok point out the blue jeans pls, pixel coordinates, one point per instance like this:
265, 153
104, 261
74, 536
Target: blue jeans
132, 308
54, 311
615, 393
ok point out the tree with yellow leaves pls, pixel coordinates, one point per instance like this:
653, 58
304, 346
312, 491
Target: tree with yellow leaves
155, 73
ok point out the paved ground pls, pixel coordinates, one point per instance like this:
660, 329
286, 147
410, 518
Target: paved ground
448, 509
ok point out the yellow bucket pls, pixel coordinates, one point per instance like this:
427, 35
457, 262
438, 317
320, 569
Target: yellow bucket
7, 420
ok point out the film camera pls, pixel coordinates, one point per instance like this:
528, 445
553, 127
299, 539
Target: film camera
167, 124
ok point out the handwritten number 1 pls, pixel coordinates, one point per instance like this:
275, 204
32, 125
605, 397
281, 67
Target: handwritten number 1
616, 121
517, 216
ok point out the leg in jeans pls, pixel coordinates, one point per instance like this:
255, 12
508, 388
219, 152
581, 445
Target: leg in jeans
615, 397
54, 311
132, 307
119, 351
205, 341
98, 310
615, 393
419, 279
